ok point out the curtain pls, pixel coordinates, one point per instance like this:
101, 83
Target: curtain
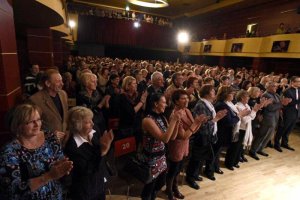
108, 31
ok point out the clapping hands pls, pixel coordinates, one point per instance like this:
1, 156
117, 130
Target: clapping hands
257, 107
265, 102
175, 116
199, 119
105, 141
244, 112
60, 168
60, 135
285, 101
144, 97
220, 114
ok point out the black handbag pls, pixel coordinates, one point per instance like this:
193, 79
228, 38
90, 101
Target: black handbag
139, 170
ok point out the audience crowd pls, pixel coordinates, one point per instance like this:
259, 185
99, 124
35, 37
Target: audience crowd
121, 14
177, 112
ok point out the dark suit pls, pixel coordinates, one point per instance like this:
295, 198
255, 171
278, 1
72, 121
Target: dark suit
290, 115
225, 133
268, 124
52, 120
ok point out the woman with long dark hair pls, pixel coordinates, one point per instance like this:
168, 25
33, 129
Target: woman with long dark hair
157, 132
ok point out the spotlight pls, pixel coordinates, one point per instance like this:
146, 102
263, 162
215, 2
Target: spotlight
127, 8
72, 23
136, 24
183, 37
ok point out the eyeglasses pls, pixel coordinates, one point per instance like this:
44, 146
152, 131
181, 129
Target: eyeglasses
33, 121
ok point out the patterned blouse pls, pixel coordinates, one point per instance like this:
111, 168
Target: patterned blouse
19, 164
154, 150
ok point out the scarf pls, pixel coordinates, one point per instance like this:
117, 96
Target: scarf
213, 111
236, 127
247, 120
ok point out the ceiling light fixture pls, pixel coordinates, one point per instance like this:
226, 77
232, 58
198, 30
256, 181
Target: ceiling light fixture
150, 3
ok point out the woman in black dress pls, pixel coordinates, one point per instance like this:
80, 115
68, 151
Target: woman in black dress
131, 109
228, 127
86, 149
89, 97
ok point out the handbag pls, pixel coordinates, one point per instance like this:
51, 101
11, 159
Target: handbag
139, 169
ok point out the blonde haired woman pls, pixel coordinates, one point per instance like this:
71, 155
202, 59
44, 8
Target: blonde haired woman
131, 108
90, 97
245, 133
32, 163
85, 148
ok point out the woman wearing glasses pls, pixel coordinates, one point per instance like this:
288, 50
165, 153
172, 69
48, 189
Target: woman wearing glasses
32, 163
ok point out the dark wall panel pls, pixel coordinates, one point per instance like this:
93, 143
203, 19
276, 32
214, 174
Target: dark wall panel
234, 23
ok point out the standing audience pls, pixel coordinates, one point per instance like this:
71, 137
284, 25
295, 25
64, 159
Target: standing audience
207, 131
290, 114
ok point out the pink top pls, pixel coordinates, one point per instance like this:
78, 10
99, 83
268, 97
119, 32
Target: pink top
179, 148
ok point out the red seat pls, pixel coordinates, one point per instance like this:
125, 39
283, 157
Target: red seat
124, 146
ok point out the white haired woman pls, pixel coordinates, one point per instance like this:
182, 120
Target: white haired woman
86, 148
90, 97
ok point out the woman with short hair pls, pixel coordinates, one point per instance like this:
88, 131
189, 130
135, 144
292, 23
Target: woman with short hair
245, 133
86, 148
90, 97
178, 148
204, 138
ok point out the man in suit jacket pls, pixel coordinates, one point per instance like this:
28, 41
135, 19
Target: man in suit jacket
53, 102
290, 115
270, 120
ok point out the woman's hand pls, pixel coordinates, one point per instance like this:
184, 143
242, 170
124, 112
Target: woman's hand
219, 115
104, 102
60, 168
60, 135
144, 97
199, 119
105, 141
257, 107
175, 116
244, 112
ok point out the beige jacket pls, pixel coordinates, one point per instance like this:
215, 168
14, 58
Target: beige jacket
50, 115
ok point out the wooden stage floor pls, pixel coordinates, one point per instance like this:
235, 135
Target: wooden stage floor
276, 177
